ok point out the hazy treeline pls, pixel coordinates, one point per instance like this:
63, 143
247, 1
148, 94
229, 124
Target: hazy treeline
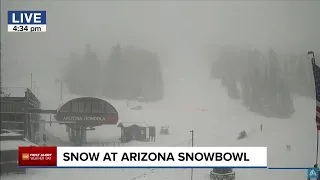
0, 67
128, 73
264, 81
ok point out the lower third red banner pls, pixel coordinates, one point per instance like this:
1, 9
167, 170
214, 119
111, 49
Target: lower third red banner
38, 156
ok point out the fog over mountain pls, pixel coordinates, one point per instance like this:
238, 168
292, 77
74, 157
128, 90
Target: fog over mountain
216, 67
180, 32
161, 26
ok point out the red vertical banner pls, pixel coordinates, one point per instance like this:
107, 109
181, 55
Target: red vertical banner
38, 156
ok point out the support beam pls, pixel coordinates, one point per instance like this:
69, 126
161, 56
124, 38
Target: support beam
56, 122
33, 111
42, 111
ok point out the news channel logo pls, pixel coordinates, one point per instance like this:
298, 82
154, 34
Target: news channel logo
25, 156
27, 21
313, 173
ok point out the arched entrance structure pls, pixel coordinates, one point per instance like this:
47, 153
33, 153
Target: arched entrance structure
83, 114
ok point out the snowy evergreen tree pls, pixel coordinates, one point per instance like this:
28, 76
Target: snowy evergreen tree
256, 91
72, 74
285, 104
90, 72
246, 91
233, 91
1, 69
266, 83
274, 71
131, 73
301, 76
82, 74
112, 73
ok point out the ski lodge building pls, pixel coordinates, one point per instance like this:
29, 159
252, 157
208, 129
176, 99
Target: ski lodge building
10, 141
20, 113
139, 131
15, 105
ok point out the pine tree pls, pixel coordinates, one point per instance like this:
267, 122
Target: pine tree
73, 76
273, 70
263, 90
301, 76
285, 107
111, 72
224, 80
216, 69
310, 81
82, 74
256, 91
151, 80
246, 91
233, 91
116, 53
90, 72
273, 85
131, 73
267, 96
0, 68
223, 69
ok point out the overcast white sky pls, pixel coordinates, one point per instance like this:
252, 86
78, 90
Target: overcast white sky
180, 28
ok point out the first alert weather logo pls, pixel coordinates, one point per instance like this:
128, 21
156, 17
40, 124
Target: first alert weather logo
25, 156
36, 156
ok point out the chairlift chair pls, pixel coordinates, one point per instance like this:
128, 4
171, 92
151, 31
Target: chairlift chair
164, 130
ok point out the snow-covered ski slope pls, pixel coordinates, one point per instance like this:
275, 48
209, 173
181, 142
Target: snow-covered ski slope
219, 126
188, 88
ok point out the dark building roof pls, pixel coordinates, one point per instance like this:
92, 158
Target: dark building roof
128, 124
13, 91
66, 106
11, 140
19, 94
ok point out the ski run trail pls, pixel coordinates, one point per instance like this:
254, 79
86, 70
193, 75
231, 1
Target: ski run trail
219, 125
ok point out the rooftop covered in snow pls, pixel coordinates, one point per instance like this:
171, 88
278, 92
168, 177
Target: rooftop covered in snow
14, 144
10, 135
5, 132
13, 91
128, 124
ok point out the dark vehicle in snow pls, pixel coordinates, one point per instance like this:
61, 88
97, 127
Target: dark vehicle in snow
242, 134
222, 174
136, 108
164, 130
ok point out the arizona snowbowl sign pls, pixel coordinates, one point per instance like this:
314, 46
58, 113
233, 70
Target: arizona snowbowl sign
88, 111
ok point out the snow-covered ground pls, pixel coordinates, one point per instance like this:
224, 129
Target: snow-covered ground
218, 126
186, 92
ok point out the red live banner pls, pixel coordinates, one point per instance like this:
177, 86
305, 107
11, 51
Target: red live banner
38, 156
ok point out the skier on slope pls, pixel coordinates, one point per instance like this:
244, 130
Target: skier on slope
37, 139
244, 133
261, 127
44, 137
288, 147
